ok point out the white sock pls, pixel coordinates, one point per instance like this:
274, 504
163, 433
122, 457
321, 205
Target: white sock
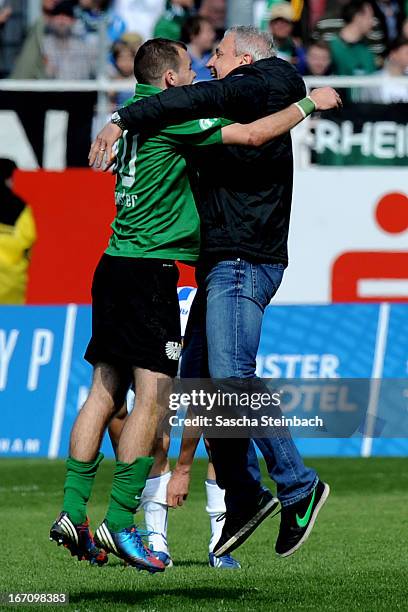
154, 504
215, 507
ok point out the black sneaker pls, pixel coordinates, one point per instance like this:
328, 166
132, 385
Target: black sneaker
238, 527
78, 539
297, 520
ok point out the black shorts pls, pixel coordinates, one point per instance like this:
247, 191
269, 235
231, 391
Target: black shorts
135, 314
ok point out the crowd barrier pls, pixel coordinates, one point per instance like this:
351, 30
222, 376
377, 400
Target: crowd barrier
44, 379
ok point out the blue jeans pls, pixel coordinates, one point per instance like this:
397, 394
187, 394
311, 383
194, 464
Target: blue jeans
225, 328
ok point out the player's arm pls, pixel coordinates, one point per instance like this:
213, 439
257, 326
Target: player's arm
259, 132
237, 97
234, 96
177, 489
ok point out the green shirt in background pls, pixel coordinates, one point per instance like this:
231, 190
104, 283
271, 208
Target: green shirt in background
350, 59
171, 21
156, 215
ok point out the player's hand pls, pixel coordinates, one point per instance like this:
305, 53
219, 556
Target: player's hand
102, 146
177, 489
110, 163
326, 98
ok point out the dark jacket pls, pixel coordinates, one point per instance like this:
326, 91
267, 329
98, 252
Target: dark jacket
244, 194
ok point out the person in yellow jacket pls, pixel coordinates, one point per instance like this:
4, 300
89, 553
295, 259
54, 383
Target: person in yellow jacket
17, 236
297, 9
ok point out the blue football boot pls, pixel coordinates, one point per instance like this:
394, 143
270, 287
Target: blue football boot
163, 556
128, 545
224, 562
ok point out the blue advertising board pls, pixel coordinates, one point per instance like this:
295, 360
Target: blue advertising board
44, 379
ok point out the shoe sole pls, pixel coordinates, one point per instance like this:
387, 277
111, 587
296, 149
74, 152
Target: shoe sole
101, 540
312, 521
244, 533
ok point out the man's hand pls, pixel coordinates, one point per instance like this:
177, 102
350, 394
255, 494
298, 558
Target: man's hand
110, 163
177, 489
101, 148
326, 98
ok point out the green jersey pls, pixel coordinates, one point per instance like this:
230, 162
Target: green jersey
156, 215
351, 58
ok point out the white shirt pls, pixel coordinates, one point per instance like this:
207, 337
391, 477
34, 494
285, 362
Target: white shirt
139, 15
388, 92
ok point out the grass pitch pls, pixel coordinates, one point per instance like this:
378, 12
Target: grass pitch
355, 559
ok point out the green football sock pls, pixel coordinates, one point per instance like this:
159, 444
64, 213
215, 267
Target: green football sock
78, 486
129, 481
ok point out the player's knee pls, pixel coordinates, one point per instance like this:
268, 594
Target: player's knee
102, 401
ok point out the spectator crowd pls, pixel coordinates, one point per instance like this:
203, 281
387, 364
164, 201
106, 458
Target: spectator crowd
81, 39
